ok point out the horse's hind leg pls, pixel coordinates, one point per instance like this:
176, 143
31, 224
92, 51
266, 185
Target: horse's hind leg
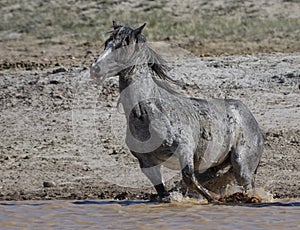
244, 163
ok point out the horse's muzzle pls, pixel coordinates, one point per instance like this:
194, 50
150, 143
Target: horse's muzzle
95, 74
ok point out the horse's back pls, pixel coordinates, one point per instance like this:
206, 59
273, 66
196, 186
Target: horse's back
243, 117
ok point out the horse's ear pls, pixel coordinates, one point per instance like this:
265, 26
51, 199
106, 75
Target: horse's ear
115, 24
139, 30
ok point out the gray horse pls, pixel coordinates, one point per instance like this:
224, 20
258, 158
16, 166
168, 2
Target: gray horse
198, 137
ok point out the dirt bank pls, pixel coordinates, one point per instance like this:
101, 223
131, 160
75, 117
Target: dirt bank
62, 136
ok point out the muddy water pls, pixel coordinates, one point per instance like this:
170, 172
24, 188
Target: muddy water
146, 215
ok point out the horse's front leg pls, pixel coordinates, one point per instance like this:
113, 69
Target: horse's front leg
186, 159
152, 171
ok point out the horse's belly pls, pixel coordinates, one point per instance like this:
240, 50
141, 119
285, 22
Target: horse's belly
171, 162
212, 158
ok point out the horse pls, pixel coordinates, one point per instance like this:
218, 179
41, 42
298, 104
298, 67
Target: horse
165, 127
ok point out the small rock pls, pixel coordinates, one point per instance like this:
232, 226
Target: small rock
290, 75
48, 184
89, 52
277, 79
26, 157
54, 82
121, 196
59, 70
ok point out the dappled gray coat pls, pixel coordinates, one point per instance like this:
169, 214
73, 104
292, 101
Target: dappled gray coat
196, 136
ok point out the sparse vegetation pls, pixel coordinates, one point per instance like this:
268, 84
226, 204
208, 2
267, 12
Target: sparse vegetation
66, 22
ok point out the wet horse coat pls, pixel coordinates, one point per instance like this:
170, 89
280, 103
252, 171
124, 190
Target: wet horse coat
166, 128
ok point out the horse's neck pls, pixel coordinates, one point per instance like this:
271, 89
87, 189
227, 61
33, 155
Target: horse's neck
137, 86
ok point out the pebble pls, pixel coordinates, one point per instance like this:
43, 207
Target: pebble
49, 184
59, 70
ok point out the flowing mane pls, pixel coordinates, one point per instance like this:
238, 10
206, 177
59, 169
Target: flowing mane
157, 63
160, 68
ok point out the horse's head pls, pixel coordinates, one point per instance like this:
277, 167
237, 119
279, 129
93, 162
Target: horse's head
119, 52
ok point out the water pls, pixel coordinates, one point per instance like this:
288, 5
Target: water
146, 215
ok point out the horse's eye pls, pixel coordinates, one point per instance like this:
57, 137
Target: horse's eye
108, 44
118, 45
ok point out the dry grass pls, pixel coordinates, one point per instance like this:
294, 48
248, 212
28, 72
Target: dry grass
72, 22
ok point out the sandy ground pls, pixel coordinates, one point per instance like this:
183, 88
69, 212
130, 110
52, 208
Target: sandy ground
62, 135
59, 127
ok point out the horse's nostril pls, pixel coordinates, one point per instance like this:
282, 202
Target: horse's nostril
97, 69
94, 70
